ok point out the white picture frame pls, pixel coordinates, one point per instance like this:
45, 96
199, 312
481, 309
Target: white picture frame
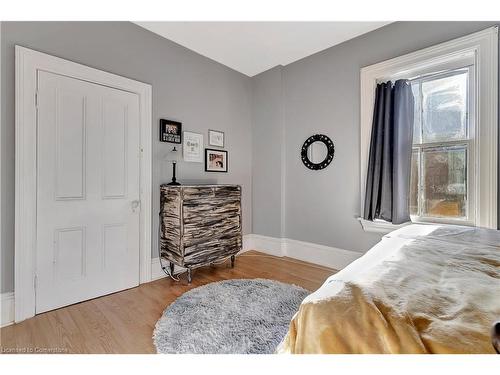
215, 138
192, 147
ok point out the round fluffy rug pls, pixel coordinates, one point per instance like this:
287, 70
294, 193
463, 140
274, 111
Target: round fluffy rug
232, 316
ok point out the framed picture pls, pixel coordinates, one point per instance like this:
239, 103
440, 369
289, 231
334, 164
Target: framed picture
170, 131
192, 147
215, 160
215, 138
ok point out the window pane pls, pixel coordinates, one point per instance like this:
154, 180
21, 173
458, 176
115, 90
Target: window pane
417, 128
444, 102
445, 182
414, 183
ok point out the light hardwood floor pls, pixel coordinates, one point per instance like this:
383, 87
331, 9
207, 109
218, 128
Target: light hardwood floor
123, 322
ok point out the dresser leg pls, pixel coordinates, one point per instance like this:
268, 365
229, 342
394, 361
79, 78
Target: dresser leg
232, 261
189, 276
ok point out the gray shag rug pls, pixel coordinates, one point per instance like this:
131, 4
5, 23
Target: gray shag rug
243, 316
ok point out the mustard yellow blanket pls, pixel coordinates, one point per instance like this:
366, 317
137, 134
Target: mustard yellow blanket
422, 289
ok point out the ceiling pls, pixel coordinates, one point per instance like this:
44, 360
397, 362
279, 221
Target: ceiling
254, 47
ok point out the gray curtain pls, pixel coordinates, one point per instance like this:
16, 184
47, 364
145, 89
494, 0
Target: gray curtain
389, 165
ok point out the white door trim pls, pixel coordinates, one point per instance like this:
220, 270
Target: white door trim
28, 62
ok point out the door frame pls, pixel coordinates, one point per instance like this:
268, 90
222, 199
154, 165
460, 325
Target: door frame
28, 63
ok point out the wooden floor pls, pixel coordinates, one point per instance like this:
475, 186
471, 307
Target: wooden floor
123, 322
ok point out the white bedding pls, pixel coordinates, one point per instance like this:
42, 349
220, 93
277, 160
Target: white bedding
389, 246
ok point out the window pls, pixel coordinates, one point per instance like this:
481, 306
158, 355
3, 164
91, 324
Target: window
442, 157
455, 147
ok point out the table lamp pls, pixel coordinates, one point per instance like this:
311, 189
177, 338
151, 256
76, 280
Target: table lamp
173, 156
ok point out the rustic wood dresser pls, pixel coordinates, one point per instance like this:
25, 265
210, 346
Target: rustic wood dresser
199, 224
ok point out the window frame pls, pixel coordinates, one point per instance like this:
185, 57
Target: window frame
459, 65
481, 49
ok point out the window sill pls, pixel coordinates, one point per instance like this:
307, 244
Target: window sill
380, 226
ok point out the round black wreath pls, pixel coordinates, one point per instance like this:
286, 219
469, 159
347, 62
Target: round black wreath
329, 157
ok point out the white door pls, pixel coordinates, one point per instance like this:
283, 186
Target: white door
87, 191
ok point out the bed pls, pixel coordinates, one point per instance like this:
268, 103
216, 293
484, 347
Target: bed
421, 289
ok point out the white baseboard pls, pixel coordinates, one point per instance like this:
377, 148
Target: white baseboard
7, 309
247, 243
327, 256
269, 245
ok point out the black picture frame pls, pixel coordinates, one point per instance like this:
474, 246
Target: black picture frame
209, 161
170, 131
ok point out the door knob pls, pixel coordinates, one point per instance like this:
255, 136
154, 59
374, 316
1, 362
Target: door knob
135, 205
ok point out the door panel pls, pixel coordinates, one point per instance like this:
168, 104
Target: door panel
70, 124
69, 254
114, 150
88, 177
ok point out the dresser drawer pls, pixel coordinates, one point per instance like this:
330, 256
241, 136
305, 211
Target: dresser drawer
223, 226
211, 251
228, 192
197, 193
200, 213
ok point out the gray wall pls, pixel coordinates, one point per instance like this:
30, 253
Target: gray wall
321, 94
188, 87
267, 123
263, 117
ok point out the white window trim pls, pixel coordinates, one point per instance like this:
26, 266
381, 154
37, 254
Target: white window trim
483, 47
28, 62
